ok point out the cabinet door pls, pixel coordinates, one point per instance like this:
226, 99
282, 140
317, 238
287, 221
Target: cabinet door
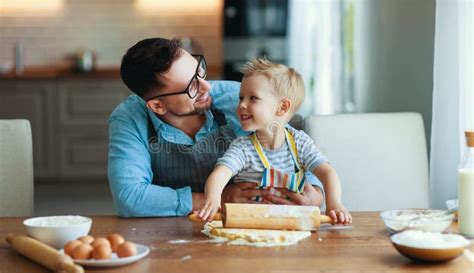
31, 100
84, 110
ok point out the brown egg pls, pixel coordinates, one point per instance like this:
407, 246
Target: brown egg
70, 246
100, 241
102, 252
87, 239
115, 240
126, 249
83, 251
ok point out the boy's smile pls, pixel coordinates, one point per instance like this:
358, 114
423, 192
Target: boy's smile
244, 118
258, 103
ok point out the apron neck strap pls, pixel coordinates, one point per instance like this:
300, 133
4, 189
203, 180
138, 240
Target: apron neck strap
259, 149
261, 154
293, 149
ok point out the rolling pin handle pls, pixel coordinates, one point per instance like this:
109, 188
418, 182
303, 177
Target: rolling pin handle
325, 219
43, 254
195, 218
70, 268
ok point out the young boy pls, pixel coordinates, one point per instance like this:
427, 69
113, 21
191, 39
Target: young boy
275, 156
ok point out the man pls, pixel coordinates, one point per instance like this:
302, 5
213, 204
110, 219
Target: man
165, 140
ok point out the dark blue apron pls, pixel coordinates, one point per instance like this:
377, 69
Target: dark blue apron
178, 165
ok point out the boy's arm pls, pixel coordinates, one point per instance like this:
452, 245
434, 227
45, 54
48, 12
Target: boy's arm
216, 182
214, 186
332, 185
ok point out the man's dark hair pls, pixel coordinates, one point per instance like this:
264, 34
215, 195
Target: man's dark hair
143, 63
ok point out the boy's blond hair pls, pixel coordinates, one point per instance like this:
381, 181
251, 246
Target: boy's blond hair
287, 82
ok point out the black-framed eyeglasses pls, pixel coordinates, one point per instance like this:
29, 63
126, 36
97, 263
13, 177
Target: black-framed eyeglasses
193, 86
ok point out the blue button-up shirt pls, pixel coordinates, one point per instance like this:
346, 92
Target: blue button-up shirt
129, 170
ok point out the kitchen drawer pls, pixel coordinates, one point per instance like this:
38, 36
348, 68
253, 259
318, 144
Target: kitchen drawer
69, 122
88, 103
83, 152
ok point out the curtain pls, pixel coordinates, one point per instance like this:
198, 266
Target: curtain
315, 50
453, 95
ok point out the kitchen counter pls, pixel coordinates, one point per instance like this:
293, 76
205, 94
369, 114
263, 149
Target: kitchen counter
364, 248
48, 73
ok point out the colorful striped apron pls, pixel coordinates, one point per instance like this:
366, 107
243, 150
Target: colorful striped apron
273, 178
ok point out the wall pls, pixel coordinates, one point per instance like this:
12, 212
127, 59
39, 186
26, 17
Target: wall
51, 30
394, 49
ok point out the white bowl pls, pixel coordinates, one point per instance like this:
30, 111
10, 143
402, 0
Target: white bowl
5, 68
429, 246
56, 231
430, 220
452, 204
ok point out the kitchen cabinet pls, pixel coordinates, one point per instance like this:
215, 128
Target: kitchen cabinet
84, 110
69, 120
32, 100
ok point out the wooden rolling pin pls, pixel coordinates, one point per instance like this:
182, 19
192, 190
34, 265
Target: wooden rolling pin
43, 254
263, 216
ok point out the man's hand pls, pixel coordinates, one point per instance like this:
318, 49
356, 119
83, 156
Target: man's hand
240, 193
198, 200
309, 197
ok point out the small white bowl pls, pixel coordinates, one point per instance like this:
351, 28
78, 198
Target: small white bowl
452, 204
5, 68
56, 231
430, 220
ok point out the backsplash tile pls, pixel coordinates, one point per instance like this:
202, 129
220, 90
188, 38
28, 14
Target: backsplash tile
108, 27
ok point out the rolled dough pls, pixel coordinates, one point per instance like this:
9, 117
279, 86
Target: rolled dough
253, 237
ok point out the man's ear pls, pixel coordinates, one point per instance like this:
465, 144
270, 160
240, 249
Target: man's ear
157, 106
284, 108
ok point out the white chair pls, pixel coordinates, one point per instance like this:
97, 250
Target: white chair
381, 159
16, 168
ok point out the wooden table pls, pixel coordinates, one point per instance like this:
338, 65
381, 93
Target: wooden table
363, 248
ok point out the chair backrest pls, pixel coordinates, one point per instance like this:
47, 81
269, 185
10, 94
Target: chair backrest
16, 168
381, 159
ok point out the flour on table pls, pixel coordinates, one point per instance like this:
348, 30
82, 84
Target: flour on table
179, 241
253, 237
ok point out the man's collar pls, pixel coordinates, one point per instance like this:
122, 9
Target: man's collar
172, 134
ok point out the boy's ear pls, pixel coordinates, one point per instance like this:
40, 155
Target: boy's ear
285, 106
157, 106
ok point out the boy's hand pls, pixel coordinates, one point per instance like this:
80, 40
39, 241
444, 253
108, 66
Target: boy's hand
209, 209
338, 214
